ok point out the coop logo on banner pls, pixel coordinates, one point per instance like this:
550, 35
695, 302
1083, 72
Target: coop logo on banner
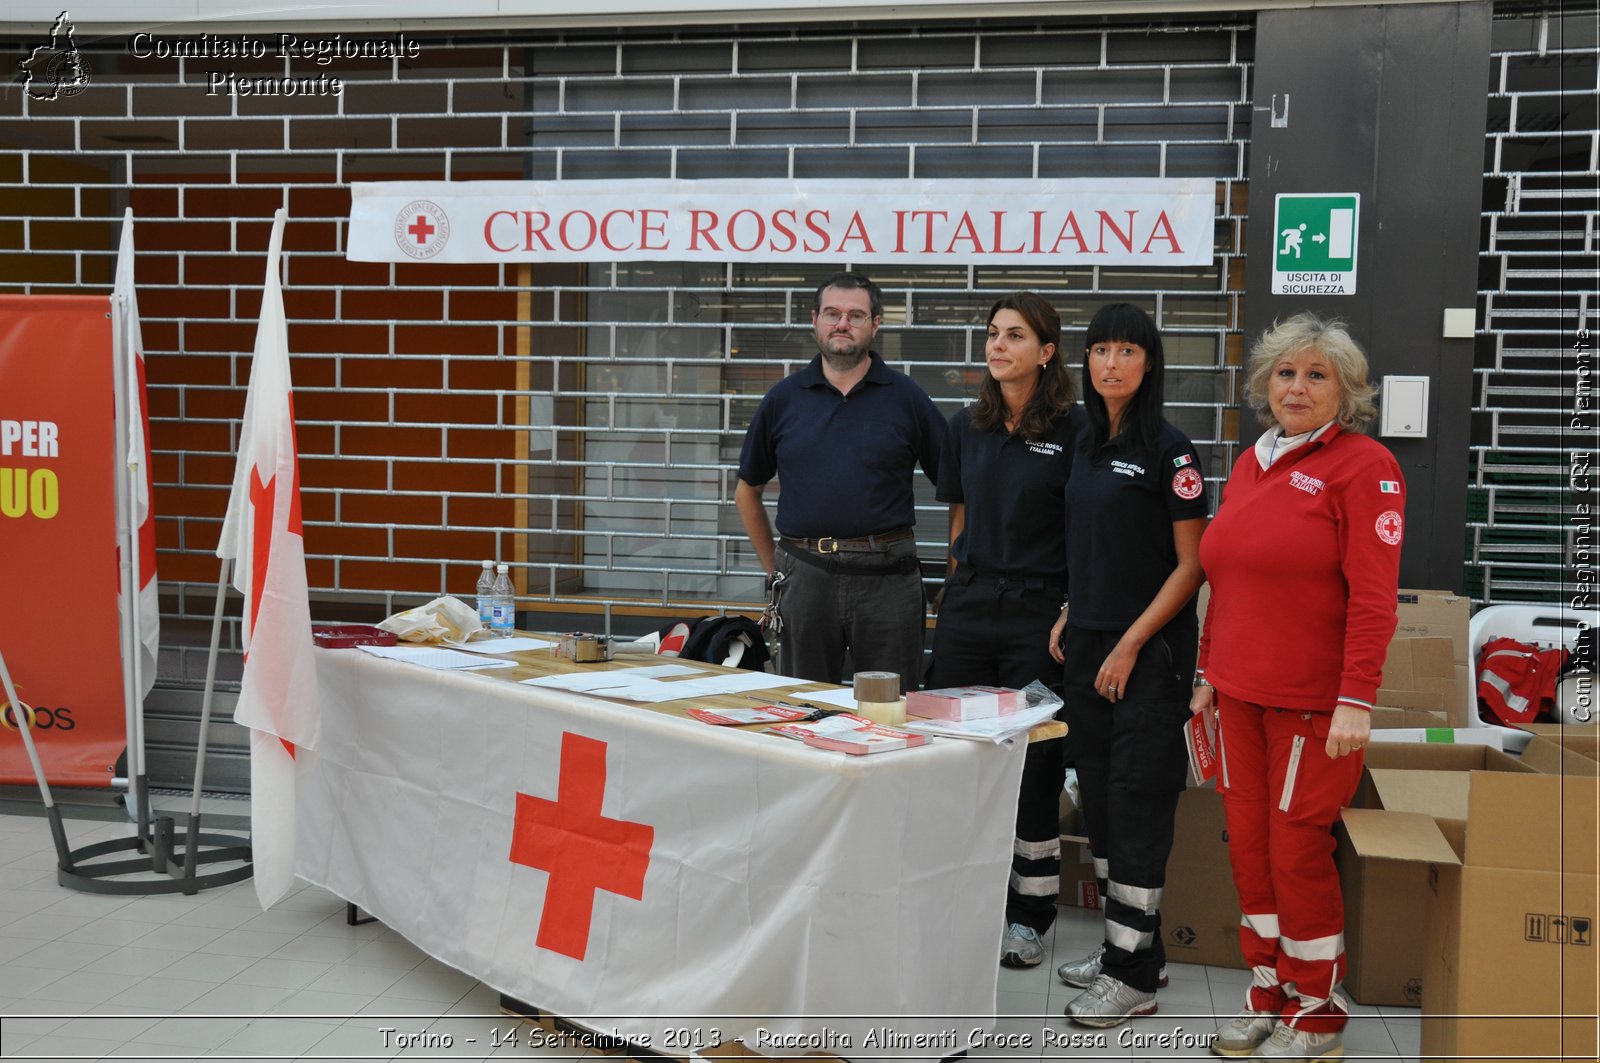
1134, 221
58, 539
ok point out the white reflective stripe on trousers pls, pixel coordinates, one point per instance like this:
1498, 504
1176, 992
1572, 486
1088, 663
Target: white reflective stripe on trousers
1146, 899
1263, 925
1036, 885
1326, 949
1045, 850
1127, 938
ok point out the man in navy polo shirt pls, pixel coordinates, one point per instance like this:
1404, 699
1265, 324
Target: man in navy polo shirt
843, 437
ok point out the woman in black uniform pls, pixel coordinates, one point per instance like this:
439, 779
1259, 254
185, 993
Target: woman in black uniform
1128, 638
1005, 465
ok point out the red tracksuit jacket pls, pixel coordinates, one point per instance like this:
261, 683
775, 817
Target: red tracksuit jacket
1303, 560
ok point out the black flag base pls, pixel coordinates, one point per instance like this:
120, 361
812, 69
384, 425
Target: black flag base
170, 864
171, 869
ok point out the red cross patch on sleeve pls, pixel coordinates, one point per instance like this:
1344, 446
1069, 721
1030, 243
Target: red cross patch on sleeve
1187, 484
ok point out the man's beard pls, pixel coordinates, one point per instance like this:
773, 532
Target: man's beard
842, 361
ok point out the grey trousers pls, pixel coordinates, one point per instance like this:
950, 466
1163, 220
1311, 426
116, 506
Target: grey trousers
877, 618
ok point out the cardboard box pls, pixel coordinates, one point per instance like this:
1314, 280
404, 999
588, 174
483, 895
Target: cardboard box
1200, 907
1412, 790
1387, 717
1412, 661
1510, 969
1565, 755
1436, 614
1420, 673
1441, 614
1079, 887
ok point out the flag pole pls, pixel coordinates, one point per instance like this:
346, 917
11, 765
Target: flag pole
192, 834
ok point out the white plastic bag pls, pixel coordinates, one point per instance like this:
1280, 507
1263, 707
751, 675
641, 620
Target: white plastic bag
441, 620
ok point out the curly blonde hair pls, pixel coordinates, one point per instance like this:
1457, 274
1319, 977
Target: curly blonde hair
1306, 331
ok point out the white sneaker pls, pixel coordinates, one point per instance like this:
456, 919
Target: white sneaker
1108, 1002
1082, 973
1244, 1033
1022, 947
1287, 1042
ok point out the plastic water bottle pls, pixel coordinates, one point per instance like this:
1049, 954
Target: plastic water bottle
486, 596
504, 616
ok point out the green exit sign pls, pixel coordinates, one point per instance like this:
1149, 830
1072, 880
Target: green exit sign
1315, 250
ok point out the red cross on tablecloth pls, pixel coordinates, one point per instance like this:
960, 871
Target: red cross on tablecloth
582, 850
422, 228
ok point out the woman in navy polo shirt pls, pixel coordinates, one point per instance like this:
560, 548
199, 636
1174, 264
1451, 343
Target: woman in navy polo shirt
1003, 470
1128, 638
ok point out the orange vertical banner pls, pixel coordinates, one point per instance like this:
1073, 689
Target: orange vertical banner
58, 538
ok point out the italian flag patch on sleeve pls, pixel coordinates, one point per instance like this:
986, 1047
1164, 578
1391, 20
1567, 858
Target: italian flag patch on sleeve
1389, 487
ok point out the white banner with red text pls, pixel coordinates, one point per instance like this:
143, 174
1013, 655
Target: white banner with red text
1050, 222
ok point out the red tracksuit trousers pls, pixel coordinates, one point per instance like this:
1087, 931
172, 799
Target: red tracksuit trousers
1282, 794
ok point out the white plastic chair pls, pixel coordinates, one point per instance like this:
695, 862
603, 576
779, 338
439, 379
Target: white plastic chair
1545, 625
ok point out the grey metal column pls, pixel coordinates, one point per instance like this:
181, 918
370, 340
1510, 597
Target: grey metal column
1387, 102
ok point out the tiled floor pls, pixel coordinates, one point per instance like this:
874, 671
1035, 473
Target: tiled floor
213, 976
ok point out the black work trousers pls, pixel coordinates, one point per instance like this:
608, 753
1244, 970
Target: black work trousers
996, 632
874, 611
1131, 768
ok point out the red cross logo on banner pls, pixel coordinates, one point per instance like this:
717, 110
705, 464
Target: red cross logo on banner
581, 850
421, 229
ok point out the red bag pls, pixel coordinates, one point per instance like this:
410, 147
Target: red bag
1517, 680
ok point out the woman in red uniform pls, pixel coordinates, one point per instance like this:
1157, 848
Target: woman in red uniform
1303, 557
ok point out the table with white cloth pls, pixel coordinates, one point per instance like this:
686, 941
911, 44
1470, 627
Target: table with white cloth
657, 878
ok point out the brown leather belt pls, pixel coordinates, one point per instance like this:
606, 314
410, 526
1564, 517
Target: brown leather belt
829, 545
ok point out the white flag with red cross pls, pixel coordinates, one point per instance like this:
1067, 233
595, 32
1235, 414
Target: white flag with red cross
262, 535
135, 450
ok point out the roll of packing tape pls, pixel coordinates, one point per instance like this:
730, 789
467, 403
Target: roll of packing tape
877, 686
1575, 699
889, 713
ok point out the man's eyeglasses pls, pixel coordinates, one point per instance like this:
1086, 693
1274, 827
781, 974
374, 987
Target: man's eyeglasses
857, 318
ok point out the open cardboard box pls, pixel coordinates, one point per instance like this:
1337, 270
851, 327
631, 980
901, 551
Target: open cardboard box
1511, 938
1384, 895
1564, 754
1509, 958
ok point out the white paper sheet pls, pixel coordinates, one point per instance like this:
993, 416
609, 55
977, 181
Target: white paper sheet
435, 657
844, 698
518, 644
645, 685
610, 677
